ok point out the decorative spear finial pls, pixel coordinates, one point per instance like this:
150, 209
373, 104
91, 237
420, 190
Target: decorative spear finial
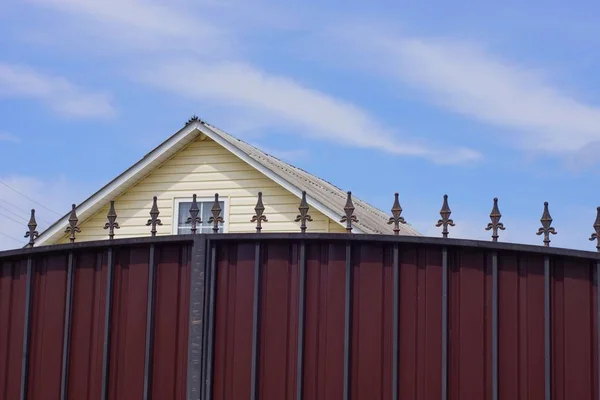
112, 223
546, 228
73, 228
32, 234
349, 218
194, 219
396, 218
216, 214
445, 221
154, 213
303, 216
596, 235
495, 224
259, 218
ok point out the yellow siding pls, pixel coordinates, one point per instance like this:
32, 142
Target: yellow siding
204, 168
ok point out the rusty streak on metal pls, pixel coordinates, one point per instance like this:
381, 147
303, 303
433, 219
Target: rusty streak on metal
216, 214
349, 218
445, 212
194, 219
259, 217
304, 215
546, 228
396, 218
495, 216
596, 235
32, 234
73, 228
154, 220
112, 223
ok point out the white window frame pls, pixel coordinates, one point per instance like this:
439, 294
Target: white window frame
178, 200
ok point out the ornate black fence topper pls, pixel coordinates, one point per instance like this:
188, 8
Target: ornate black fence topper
546, 228
73, 228
445, 221
32, 234
259, 218
396, 218
194, 219
304, 215
596, 235
112, 223
216, 214
495, 216
349, 218
154, 213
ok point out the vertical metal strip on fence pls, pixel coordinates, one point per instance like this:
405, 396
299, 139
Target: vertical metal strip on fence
64, 379
444, 323
210, 344
255, 324
301, 316
197, 317
26, 330
395, 323
495, 326
107, 323
598, 322
150, 324
547, 331
348, 322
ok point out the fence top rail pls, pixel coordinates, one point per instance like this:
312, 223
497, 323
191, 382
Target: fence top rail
326, 237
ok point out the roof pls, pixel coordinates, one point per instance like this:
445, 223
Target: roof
321, 195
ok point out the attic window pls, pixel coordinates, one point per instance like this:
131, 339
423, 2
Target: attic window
182, 213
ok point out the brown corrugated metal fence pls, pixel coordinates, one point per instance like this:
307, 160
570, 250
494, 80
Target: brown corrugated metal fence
295, 316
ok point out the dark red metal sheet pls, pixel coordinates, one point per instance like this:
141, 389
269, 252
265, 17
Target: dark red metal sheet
12, 310
171, 323
233, 321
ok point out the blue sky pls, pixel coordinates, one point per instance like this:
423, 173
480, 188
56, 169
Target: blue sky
471, 99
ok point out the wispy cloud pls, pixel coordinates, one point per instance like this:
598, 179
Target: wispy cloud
9, 137
227, 79
467, 79
283, 101
57, 93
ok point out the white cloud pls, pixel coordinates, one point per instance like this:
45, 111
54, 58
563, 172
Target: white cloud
468, 80
55, 194
9, 137
57, 93
283, 101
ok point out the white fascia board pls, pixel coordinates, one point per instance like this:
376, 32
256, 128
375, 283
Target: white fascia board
115, 186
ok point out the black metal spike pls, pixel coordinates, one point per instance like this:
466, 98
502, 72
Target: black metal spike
445, 221
259, 218
396, 218
32, 234
73, 228
349, 218
304, 215
546, 228
112, 223
154, 213
596, 234
495, 216
216, 214
194, 118
194, 219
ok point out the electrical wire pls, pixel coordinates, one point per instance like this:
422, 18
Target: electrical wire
11, 237
29, 198
25, 211
13, 213
12, 219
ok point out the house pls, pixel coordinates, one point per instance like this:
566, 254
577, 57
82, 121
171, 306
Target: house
203, 160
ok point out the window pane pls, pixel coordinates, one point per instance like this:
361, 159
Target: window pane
184, 214
205, 207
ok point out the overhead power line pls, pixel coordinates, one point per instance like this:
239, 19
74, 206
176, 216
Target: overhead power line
11, 218
13, 213
24, 211
11, 237
29, 198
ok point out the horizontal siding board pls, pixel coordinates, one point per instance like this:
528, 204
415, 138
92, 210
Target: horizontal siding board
203, 168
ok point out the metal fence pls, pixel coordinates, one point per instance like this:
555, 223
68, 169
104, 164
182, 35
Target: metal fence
299, 316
